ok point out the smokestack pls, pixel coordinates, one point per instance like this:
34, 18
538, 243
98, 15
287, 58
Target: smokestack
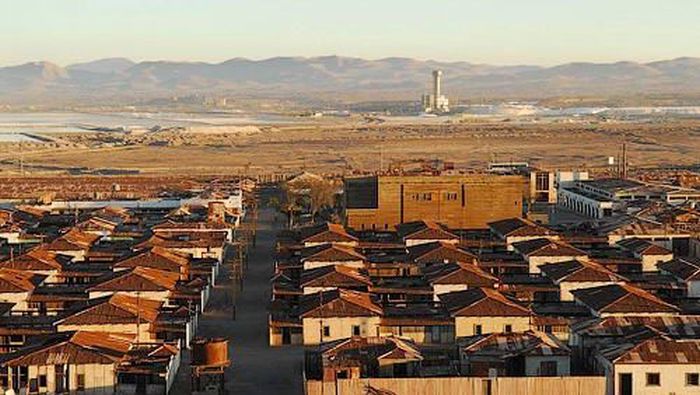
437, 77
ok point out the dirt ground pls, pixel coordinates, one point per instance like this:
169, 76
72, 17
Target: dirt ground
367, 146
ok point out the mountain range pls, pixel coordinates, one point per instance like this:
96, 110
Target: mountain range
119, 79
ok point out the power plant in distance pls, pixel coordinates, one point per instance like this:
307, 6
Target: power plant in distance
436, 103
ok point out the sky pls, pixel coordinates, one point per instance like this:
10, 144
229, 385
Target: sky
543, 32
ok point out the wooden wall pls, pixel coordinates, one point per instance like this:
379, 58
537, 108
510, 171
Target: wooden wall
589, 385
460, 202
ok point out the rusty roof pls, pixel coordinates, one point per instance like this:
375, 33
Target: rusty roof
74, 240
519, 227
18, 281
655, 350
686, 269
326, 233
38, 259
579, 270
459, 273
616, 326
424, 230
546, 247
622, 298
358, 351
139, 279
439, 252
75, 348
508, 345
115, 309
330, 253
334, 276
482, 302
156, 257
338, 303
643, 247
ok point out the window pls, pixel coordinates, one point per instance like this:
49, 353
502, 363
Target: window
548, 368
508, 329
547, 329
356, 330
477, 329
692, 379
451, 196
326, 330
42, 380
653, 379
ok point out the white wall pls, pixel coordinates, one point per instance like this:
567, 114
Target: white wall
464, 326
341, 328
672, 378
439, 289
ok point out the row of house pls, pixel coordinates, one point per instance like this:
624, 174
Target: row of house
104, 300
517, 299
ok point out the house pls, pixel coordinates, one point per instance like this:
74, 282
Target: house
359, 357
195, 244
38, 261
118, 313
514, 230
148, 368
577, 274
455, 276
439, 252
686, 270
90, 362
67, 362
16, 287
157, 258
650, 253
541, 251
331, 255
328, 278
169, 228
338, 314
327, 233
622, 299
656, 365
483, 310
142, 282
421, 232
530, 353
75, 243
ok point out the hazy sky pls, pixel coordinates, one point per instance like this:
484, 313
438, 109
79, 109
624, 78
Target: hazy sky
489, 31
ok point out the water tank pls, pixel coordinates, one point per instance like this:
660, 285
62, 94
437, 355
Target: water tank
210, 352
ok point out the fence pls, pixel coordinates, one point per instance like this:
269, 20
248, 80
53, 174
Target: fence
589, 385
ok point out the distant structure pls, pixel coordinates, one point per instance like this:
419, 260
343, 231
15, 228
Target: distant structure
436, 103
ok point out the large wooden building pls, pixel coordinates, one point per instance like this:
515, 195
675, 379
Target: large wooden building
457, 201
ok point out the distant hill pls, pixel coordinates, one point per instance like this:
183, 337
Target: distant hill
117, 79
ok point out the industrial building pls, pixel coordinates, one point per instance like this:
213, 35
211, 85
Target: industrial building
459, 201
436, 103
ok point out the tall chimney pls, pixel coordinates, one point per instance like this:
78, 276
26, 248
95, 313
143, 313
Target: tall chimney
437, 76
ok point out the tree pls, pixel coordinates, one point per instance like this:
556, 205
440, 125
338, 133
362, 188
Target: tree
290, 204
321, 194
